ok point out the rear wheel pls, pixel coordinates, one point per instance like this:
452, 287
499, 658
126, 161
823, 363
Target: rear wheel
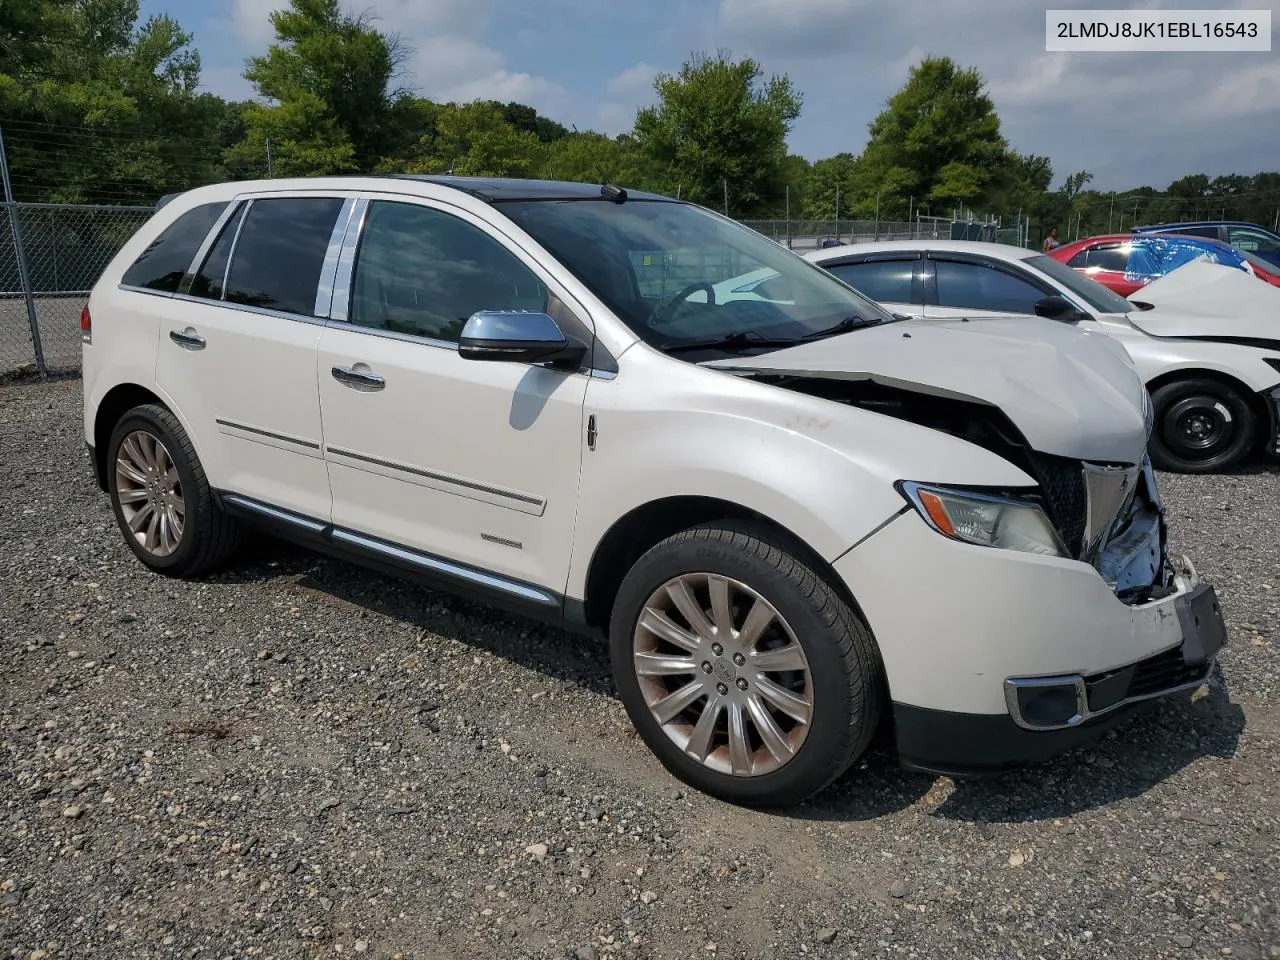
161, 497
741, 667
1201, 426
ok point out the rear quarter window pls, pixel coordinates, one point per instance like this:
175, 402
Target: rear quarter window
167, 258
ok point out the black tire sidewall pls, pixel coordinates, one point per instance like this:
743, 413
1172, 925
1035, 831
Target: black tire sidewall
822, 756
145, 418
1164, 457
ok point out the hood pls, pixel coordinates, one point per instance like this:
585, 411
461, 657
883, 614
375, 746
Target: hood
1070, 393
1210, 301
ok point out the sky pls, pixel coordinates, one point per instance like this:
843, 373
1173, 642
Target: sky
1131, 119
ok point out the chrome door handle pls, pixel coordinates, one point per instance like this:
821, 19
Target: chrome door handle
188, 339
358, 379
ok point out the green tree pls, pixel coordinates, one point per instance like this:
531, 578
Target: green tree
474, 140
327, 81
828, 180
938, 137
98, 107
592, 158
719, 123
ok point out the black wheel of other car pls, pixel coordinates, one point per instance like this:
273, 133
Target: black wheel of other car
161, 496
1201, 426
742, 668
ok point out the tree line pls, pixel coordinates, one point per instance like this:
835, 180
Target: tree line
97, 105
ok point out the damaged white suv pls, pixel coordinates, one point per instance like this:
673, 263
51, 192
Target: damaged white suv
793, 514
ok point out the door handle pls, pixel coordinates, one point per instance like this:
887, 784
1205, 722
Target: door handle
358, 379
188, 339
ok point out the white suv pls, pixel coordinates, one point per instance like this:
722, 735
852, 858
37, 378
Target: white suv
790, 512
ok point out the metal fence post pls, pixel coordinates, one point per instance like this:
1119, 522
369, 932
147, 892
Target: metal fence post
24, 278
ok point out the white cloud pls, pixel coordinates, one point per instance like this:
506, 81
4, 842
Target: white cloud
251, 21
625, 94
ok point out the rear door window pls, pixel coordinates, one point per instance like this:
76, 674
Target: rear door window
167, 258
974, 286
888, 281
1115, 258
280, 253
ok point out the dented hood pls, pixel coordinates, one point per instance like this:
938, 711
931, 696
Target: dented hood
1071, 393
1202, 299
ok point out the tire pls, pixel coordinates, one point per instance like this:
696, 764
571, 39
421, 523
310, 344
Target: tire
1201, 426
205, 537
842, 675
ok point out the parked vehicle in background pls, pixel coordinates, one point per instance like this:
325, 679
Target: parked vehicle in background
1209, 356
532, 393
1126, 263
1248, 237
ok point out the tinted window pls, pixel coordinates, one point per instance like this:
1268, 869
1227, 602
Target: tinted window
1211, 232
888, 281
1255, 241
280, 253
1079, 259
209, 278
972, 286
423, 272
1109, 258
165, 261
651, 263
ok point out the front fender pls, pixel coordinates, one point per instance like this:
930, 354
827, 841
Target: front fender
821, 470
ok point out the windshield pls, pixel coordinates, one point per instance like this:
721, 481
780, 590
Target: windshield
1090, 291
677, 274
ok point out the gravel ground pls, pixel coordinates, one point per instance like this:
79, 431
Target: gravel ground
300, 759
59, 320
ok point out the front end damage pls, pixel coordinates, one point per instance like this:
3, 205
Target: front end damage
1108, 515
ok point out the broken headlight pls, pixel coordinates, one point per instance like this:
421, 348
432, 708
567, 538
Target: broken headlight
985, 519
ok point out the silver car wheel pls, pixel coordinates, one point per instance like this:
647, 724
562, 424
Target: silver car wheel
723, 674
149, 492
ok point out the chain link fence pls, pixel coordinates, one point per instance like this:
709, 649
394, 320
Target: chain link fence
52, 254
50, 257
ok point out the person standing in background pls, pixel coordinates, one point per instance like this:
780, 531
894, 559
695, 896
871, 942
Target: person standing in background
1050, 241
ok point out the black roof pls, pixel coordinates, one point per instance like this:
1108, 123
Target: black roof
495, 189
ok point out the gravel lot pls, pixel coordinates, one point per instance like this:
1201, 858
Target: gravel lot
299, 759
59, 320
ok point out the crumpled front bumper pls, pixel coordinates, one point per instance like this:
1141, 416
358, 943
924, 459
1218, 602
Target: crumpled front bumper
956, 624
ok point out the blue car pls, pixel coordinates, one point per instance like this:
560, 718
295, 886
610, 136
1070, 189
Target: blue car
1248, 237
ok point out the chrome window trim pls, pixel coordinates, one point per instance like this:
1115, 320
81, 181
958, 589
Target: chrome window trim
231, 254
340, 297
206, 245
329, 269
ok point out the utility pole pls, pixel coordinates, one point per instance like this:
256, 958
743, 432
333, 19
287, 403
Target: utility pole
837, 213
1110, 212
877, 215
788, 216
726, 197
271, 171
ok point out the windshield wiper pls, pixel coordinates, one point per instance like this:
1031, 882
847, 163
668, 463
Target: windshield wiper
846, 325
730, 342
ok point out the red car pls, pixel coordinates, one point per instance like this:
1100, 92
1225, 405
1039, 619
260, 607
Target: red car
1126, 263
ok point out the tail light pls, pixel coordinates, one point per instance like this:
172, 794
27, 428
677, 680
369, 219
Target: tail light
86, 325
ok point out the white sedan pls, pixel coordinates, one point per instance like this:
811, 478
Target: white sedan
1205, 339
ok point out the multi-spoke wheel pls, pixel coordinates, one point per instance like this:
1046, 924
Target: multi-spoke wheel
161, 497
149, 492
1202, 426
743, 669
723, 673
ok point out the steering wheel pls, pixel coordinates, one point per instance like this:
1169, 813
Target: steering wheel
668, 310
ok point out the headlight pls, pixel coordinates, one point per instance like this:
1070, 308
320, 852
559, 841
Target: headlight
985, 520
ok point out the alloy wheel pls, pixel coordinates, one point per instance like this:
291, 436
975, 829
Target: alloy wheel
723, 674
149, 492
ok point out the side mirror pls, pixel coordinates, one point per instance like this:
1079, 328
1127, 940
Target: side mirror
1059, 308
518, 337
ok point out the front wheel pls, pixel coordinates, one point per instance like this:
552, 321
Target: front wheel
1201, 426
741, 667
